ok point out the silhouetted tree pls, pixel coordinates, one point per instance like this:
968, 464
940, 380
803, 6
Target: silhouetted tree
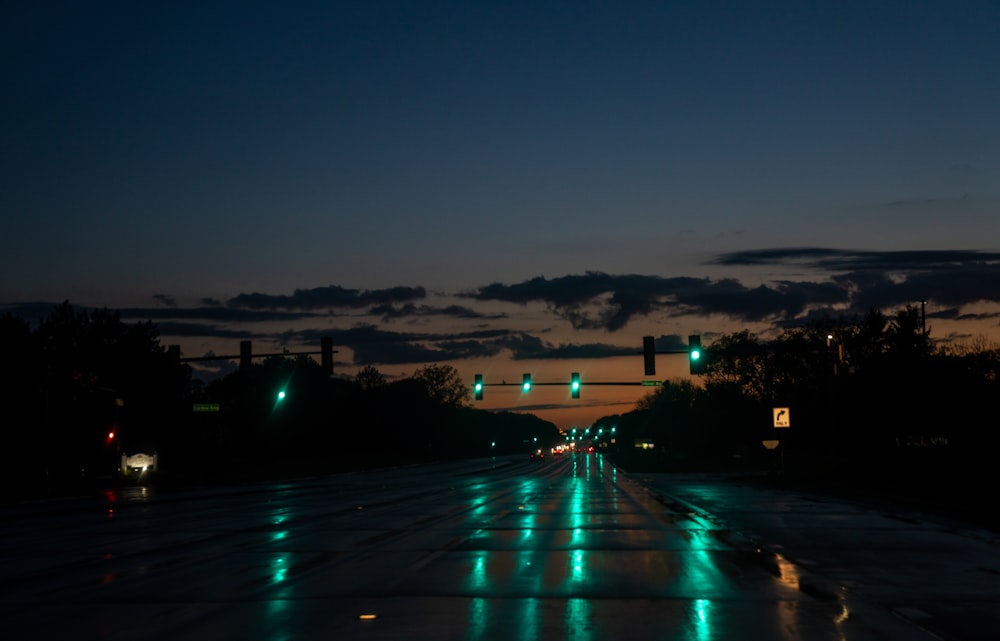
89, 374
443, 384
369, 378
738, 361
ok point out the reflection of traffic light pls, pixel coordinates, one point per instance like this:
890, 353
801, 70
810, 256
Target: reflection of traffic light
696, 357
574, 385
526, 382
477, 387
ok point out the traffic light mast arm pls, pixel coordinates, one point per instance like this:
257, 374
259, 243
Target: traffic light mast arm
563, 383
694, 351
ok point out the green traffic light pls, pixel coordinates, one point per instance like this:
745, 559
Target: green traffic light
281, 395
695, 354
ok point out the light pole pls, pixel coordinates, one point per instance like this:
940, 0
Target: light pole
923, 320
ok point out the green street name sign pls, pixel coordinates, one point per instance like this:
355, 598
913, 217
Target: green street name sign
206, 407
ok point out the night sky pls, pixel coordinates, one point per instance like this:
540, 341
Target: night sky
505, 187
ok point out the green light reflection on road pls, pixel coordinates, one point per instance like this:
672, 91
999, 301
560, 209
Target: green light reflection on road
529, 621
531, 570
277, 622
479, 578
577, 567
479, 619
702, 616
577, 620
280, 570
702, 574
527, 528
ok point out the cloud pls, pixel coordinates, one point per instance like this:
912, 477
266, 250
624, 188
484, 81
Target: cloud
848, 282
884, 279
163, 299
215, 314
328, 297
836, 283
190, 330
601, 301
594, 300
848, 260
527, 347
372, 344
388, 311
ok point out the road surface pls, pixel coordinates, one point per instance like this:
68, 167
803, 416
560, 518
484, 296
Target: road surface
489, 550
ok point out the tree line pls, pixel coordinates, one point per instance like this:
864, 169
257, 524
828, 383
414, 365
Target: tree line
860, 391
81, 387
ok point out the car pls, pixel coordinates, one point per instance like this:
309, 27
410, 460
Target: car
537, 456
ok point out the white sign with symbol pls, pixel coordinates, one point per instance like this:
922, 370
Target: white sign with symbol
782, 417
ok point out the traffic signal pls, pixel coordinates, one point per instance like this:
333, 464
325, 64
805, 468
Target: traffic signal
574, 385
326, 354
281, 395
477, 387
696, 357
649, 355
526, 382
246, 355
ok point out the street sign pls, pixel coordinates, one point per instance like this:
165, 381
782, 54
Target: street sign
652, 383
206, 407
782, 417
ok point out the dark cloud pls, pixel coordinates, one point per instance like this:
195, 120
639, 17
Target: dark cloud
329, 297
388, 311
845, 283
215, 314
602, 301
372, 344
867, 279
527, 347
848, 282
839, 260
178, 329
163, 299
163, 315
617, 298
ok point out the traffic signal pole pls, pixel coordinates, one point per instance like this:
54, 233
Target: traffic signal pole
246, 355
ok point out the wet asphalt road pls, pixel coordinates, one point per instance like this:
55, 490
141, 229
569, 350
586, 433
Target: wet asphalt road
489, 550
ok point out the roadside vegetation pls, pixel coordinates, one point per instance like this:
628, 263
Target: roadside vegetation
877, 411
81, 388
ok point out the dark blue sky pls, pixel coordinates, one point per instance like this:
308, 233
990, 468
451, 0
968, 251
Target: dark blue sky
482, 183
